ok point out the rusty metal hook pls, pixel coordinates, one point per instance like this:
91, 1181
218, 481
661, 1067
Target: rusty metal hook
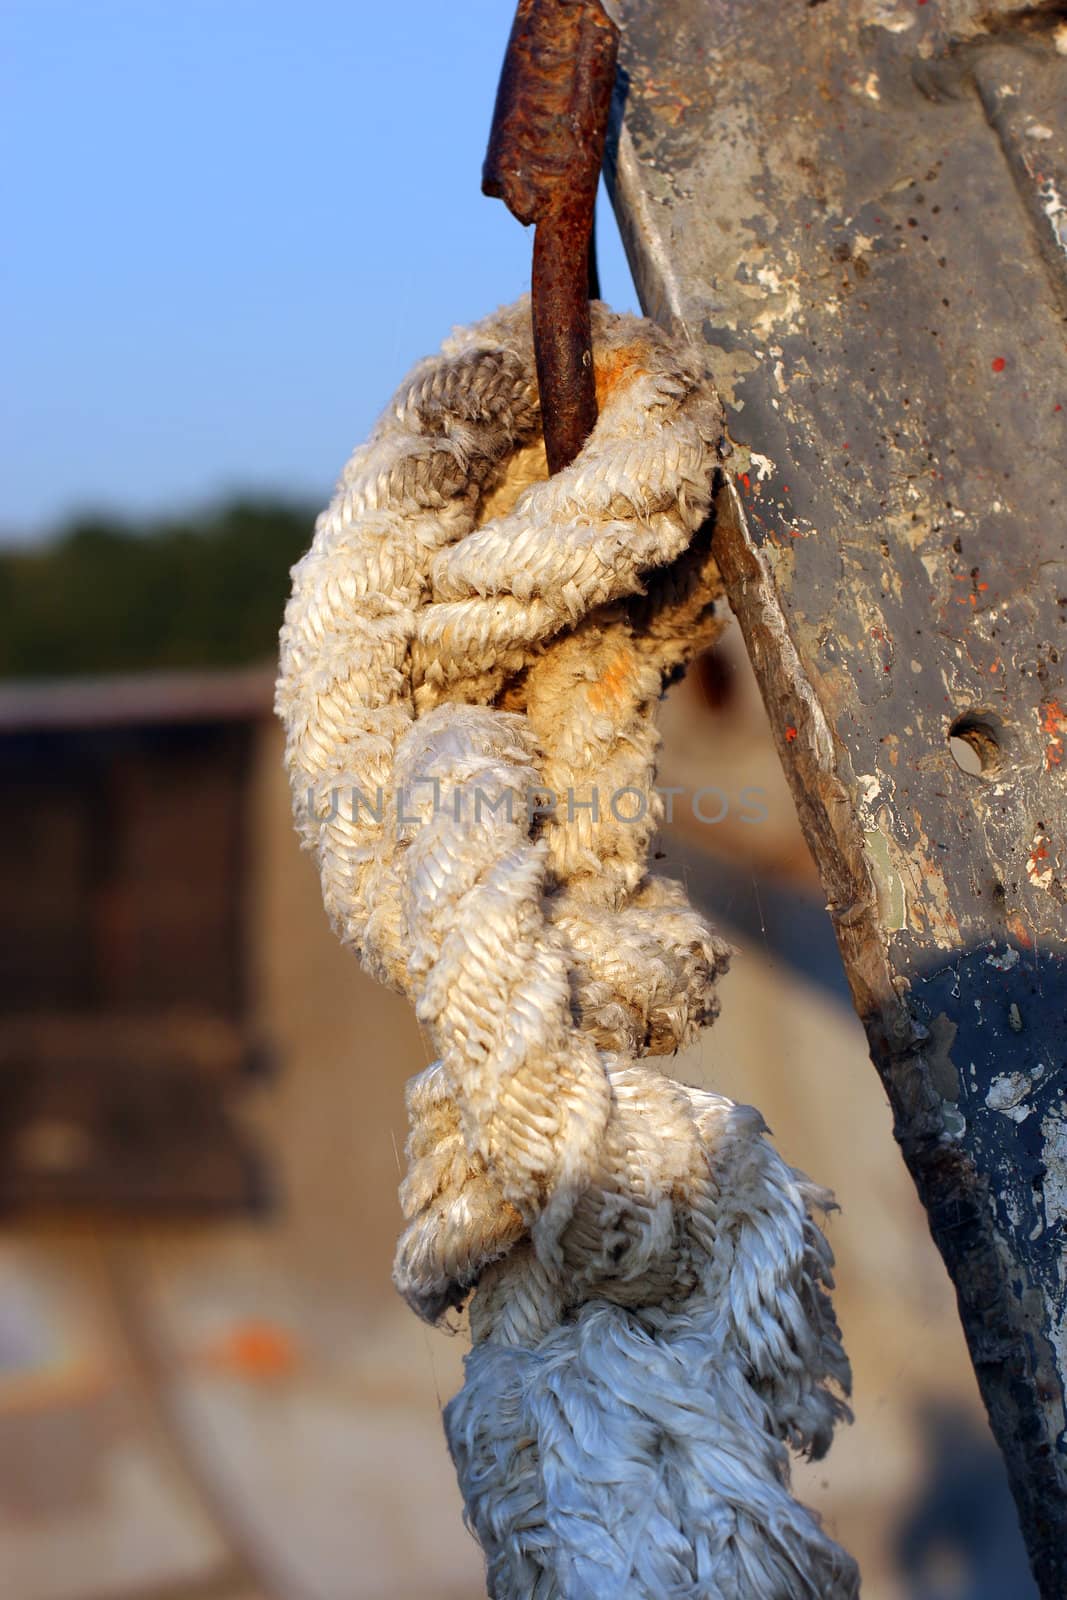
545, 150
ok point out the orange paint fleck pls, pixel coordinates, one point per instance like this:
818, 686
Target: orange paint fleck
1054, 726
1015, 926
255, 1350
976, 588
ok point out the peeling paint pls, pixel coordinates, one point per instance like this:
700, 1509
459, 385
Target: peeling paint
1053, 206
1054, 1195
1054, 1157
1038, 863
955, 1122
892, 896
892, 15
779, 296
1053, 720
932, 907
1006, 1092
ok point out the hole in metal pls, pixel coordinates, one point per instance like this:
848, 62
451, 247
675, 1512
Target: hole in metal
976, 743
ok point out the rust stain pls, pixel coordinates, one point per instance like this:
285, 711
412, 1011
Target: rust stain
934, 905
670, 102
613, 686
617, 370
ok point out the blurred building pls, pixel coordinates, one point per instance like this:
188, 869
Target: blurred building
208, 1387
125, 983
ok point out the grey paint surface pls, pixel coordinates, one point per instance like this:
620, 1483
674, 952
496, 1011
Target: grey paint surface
860, 211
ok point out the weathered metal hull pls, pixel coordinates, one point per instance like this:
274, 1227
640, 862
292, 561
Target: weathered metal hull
859, 210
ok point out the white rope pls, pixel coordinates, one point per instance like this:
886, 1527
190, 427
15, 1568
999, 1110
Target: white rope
650, 1315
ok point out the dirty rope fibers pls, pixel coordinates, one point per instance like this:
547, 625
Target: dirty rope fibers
466, 640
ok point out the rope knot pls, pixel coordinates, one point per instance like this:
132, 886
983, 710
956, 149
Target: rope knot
476, 652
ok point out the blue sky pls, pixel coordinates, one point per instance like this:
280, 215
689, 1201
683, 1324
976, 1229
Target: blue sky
231, 227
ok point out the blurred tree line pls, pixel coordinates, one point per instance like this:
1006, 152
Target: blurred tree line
107, 595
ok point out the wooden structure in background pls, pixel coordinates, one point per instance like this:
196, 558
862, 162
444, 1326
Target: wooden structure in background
124, 987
